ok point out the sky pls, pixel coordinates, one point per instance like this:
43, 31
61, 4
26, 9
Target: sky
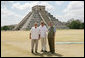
12, 12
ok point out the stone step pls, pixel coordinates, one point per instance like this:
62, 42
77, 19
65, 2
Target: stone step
23, 21
45, 17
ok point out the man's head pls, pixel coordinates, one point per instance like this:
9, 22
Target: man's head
42, 23
35, 24
50, 23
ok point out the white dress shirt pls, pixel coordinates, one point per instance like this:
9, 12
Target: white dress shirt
34, 33
43, 31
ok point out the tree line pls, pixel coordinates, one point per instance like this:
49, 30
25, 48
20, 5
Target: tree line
75, 24
7, 27
72, 24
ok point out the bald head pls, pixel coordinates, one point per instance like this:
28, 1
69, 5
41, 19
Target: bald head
50, 23
42, 23
35, 24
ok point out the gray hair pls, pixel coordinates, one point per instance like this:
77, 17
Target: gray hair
51, 22
42, 22
35, 23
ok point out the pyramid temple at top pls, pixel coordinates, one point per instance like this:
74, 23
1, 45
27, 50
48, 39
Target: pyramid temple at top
38, 14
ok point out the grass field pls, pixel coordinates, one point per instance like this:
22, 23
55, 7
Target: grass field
18, 44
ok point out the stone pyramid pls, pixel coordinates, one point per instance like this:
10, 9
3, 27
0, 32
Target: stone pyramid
38, 14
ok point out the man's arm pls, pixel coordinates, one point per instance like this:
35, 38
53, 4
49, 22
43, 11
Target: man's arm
54, 31
39, 32
30, 33
30, 36
46, 29
39, 36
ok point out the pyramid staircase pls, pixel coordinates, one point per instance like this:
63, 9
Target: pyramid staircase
37, 14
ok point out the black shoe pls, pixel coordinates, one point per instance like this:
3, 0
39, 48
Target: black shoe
41, 50
32, 52
45, 51
52, 52
36, 52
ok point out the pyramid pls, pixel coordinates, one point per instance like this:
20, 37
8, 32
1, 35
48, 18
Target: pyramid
38, 14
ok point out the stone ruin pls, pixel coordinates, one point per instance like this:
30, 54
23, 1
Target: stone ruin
38, 14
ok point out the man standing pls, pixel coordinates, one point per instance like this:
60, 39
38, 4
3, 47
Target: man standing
51, 35
34, 36
43, 31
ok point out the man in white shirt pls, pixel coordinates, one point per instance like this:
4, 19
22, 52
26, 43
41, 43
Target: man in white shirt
34, 36
43, 31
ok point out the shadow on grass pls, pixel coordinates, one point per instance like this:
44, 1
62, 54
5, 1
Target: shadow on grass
47, 54
23, 51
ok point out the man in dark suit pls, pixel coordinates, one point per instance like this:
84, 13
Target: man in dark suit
51, 37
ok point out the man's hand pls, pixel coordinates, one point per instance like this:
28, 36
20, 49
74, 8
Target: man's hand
39, 36
54, 35
30, 36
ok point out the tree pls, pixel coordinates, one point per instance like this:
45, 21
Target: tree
82, 26
75, 24
5, 28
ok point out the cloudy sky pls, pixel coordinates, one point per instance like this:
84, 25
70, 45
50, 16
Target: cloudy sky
12, 12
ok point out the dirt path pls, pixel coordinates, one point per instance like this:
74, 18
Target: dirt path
17, 44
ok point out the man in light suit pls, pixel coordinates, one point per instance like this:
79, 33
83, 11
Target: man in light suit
43, 30
34, 36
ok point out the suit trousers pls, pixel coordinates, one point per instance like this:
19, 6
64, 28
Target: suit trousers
34, 44
51, 45
43, 44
